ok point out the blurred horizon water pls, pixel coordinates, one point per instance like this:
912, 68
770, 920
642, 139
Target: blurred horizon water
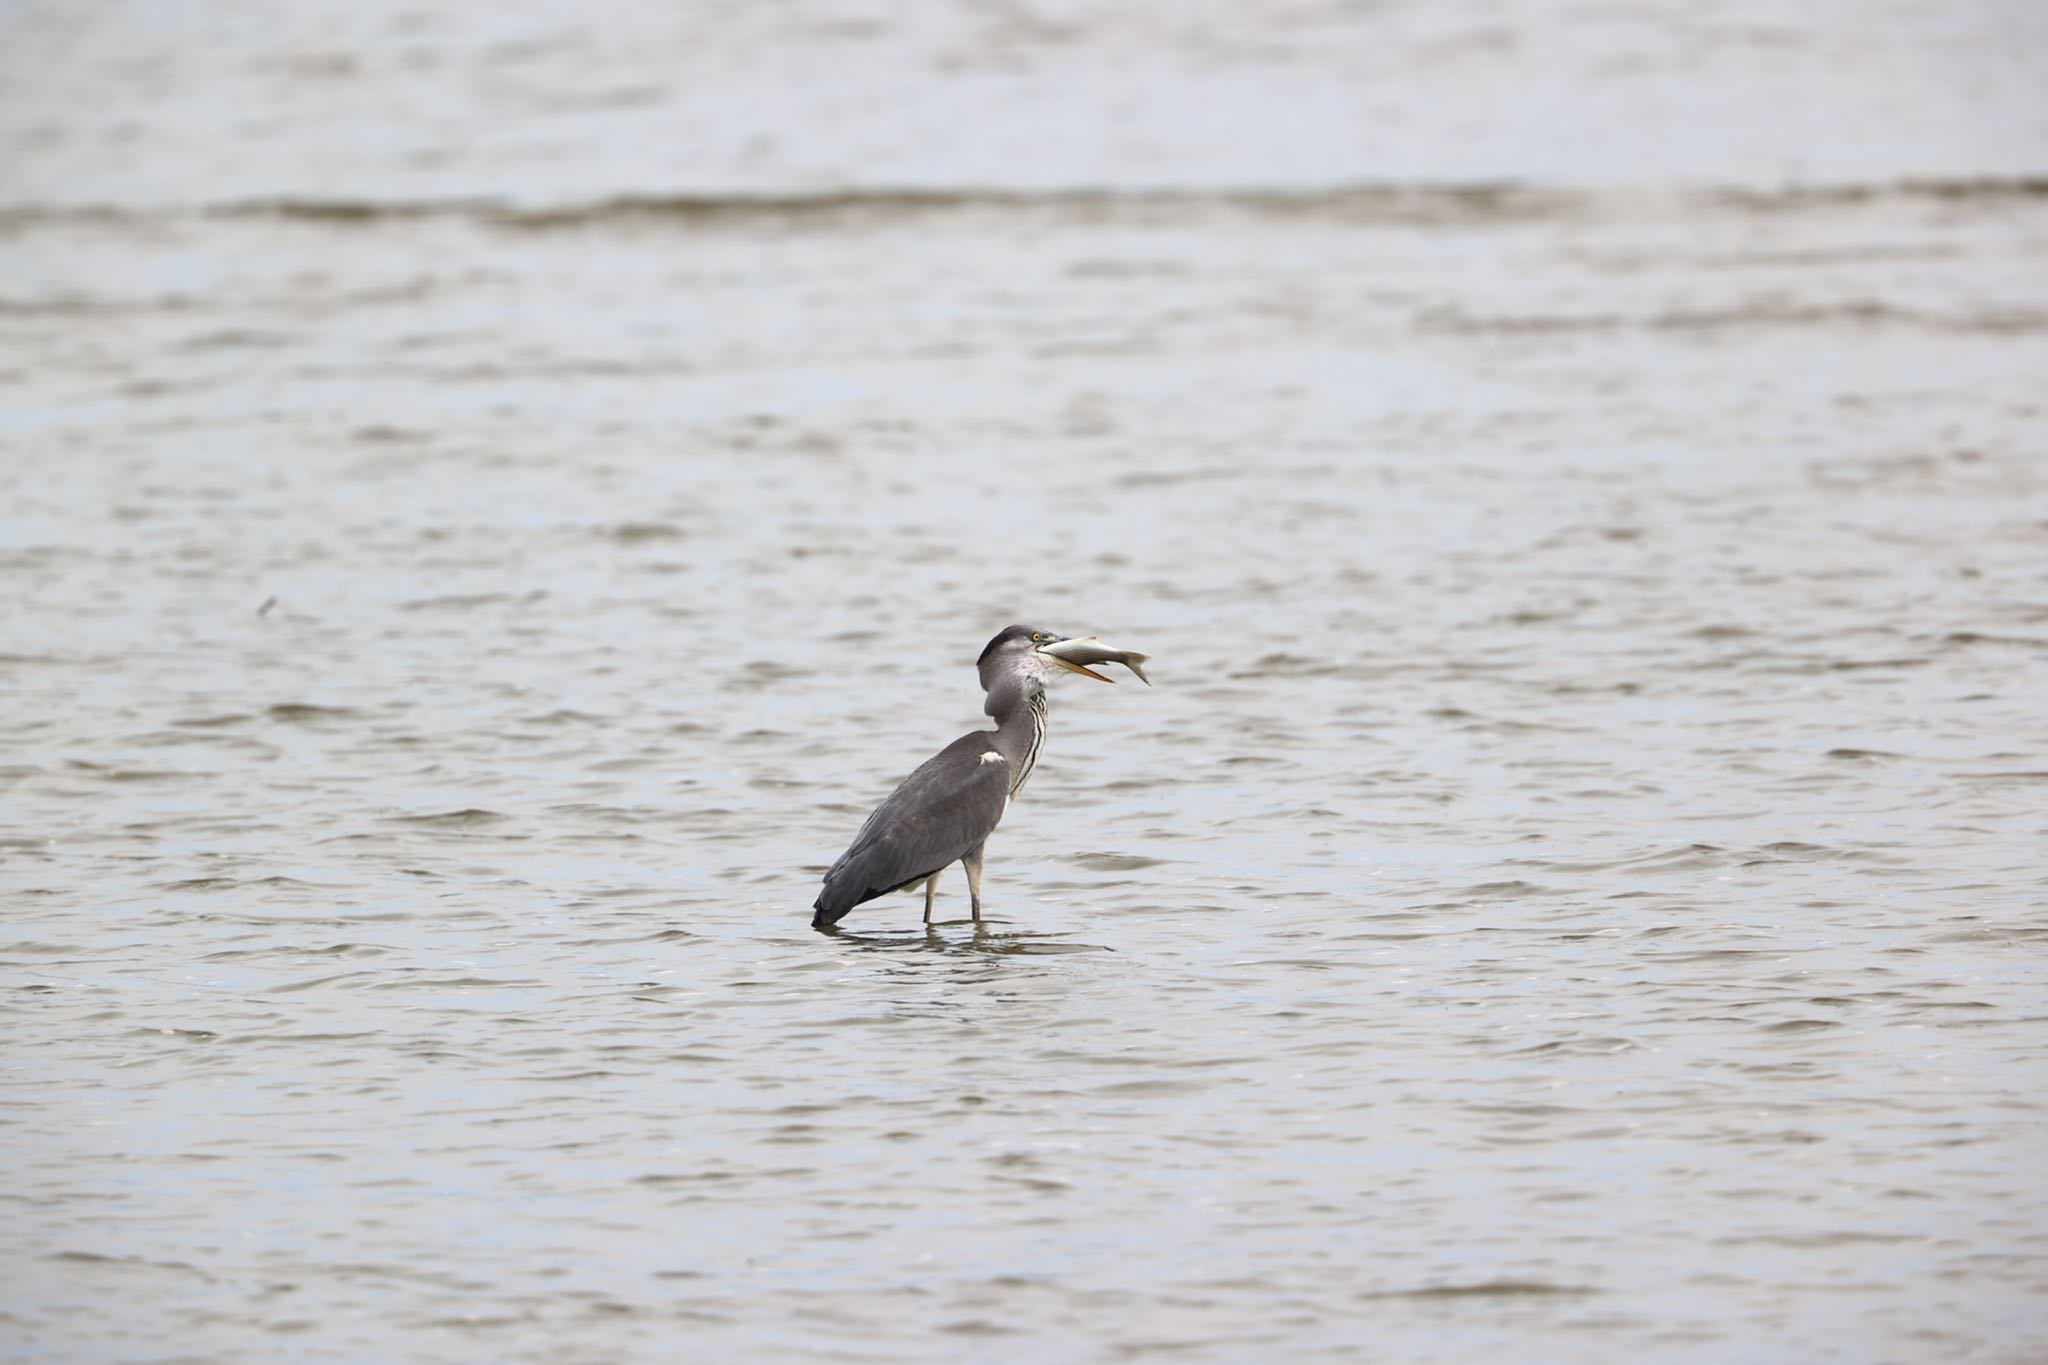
395, 102
491, 497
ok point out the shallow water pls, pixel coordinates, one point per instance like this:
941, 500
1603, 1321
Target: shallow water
1574, 891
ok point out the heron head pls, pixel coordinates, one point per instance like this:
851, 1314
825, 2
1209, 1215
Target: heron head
1027, 650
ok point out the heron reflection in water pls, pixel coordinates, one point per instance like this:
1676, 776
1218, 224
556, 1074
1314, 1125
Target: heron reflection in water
944, 812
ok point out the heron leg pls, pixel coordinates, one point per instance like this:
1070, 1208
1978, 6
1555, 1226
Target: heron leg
931, 884
971, 860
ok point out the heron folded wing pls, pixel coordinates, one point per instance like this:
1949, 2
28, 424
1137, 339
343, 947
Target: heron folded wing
939, 814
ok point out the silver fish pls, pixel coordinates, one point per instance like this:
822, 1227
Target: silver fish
1089, 650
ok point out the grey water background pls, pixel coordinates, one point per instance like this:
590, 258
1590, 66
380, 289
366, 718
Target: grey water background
491, 496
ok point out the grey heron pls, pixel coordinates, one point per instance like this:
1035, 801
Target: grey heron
944, 812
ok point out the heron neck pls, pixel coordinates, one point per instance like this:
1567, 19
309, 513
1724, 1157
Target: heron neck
1020, 731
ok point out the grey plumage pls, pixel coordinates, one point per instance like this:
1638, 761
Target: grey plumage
940, 814
944, 812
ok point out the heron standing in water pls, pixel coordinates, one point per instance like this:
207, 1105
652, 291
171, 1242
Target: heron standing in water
944, 812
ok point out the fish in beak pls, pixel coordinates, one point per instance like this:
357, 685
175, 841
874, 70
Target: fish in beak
1076, 655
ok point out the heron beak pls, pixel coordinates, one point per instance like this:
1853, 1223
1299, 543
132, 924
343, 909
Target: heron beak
1048, 651
1082, 669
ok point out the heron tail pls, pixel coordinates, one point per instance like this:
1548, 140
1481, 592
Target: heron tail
840, 894
848, 884
828, 910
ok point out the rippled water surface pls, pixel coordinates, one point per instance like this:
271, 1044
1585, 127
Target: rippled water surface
479, 533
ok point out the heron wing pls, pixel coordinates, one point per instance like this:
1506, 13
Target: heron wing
938, 815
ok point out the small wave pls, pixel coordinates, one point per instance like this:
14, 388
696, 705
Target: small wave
465, 601
1419, 203
1773, 313
1483, 1289
471, 815
1973, 637
1412, 203
636, 532
301, 712
1507, 890
149, 775
1944, 189
1115, 862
